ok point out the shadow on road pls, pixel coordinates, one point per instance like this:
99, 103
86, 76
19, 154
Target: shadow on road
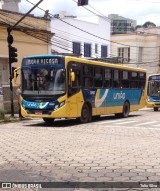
62, 123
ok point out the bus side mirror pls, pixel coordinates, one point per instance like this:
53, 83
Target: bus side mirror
15, 75
72, 76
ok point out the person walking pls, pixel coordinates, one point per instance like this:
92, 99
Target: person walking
18, 94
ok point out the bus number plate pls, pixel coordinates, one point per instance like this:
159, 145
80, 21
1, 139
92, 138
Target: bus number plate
38, 112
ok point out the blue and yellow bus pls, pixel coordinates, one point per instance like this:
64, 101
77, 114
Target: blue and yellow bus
153, 92
55, 86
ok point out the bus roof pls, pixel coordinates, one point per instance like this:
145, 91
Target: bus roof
83, 60
100, 63
154, 74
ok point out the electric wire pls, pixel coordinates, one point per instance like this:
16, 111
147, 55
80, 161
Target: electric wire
65, 49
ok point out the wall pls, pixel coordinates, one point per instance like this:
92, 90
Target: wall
144, 45
96, 26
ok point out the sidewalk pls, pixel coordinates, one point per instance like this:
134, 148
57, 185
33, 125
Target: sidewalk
9, 118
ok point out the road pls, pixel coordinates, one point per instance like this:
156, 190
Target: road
109, 150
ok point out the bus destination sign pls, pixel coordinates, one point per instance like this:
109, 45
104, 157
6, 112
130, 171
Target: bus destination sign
40, 61
157, 77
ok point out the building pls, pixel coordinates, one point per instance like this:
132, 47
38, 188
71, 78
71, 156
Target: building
139, 49
10, 5
31, 36
121, 25
85, 38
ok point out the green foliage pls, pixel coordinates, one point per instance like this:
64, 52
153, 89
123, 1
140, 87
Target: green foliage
148, 24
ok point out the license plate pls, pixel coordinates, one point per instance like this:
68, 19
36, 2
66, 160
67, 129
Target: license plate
38, 112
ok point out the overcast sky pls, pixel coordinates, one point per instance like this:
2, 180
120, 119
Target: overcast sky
140, 10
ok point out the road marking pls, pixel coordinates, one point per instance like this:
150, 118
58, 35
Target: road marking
125, 122
156, 125
145, 123
107, 122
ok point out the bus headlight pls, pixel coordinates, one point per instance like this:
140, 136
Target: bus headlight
57, 106
23, 105
62, 103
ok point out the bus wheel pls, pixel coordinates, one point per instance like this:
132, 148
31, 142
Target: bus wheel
126, 109
155, 108
85, 114
49, 121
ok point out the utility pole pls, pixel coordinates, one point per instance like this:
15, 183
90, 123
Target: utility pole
13, 53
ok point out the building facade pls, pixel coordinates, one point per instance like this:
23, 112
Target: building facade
81, 37
139, 49
10, 5
32, 36
121, 25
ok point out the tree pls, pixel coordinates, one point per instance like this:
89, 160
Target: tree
148, 24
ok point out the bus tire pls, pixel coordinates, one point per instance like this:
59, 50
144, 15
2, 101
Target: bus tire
85, 114
126, 109
155, 108
48, 121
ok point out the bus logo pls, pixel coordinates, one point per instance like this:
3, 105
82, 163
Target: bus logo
119, 95
98, 100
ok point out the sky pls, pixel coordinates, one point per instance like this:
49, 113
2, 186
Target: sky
139, 10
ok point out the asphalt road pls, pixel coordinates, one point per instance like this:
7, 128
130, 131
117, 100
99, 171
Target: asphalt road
110, 150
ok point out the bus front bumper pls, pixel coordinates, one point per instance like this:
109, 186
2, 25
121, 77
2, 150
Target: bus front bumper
153, 104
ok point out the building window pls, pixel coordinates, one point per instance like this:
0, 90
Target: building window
124, 54
103, 51
76, 47
140, 53
87, 50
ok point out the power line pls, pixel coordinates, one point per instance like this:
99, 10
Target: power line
47, 42
69, 47
85, 30
103, 16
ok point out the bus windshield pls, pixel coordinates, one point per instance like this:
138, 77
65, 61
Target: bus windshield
154, 88
40, 80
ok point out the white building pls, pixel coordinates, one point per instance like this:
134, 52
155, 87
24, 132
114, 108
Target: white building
85, 38
139, 49
10, 5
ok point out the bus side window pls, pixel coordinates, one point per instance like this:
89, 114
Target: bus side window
142, 78
134, 80
87, 82
125, 79
98, 73
88, 70
87, 76
116, 79
107, 78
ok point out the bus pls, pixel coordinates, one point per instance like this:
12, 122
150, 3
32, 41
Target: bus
59, 86
153, 92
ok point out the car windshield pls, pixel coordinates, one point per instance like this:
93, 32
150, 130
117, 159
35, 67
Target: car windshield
43, 81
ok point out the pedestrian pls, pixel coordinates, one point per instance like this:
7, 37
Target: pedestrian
18, 94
